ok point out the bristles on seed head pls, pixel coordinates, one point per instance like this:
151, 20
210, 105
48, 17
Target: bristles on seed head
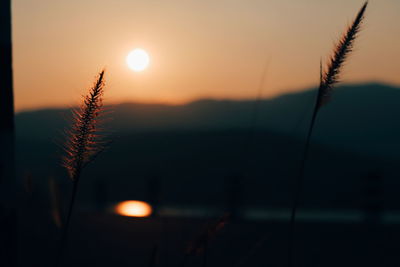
341, 51
83, 138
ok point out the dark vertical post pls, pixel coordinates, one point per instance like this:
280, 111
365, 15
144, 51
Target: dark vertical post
373, 198
8, 192
234, 186
100, 194
372, 205
6, 82
153, 193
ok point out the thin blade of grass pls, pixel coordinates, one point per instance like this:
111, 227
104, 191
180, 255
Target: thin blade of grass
327, 81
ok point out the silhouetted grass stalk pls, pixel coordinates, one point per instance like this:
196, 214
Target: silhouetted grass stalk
328, 79
201, 243
82, 145
154, 256
55, 199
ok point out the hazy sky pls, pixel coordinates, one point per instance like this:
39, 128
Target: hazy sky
198, 48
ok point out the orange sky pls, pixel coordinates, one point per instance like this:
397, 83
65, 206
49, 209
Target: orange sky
198, 49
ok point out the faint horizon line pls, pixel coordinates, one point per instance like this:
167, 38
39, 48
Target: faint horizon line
207, 98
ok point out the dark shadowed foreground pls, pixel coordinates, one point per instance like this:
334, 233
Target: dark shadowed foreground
110, 240
195, 162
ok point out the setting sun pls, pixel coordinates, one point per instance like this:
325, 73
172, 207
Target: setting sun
138, 60
133, 208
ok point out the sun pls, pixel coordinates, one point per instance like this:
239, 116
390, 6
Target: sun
138, 60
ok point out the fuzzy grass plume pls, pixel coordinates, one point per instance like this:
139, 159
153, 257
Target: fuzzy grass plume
83, 139
341, 51
84, 143
328, 79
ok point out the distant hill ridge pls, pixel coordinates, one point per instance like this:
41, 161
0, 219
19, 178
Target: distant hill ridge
362, 118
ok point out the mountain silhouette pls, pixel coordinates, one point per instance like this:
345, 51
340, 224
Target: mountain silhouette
360, 118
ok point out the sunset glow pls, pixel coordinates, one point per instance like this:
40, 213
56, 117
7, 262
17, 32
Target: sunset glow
133, 208
187, 56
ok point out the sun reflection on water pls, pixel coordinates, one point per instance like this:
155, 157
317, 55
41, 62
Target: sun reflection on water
133, 208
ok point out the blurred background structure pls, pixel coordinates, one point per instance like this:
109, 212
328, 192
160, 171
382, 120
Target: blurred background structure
8, 192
